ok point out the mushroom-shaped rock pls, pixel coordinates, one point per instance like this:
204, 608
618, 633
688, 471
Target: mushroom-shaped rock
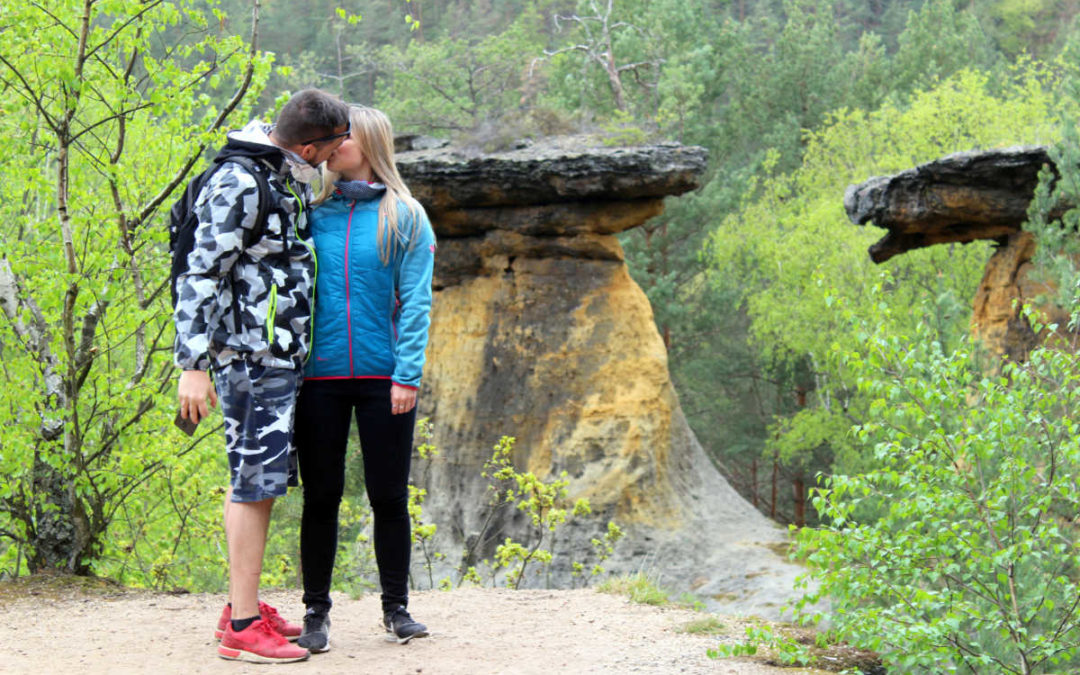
538, 332
958, 198
962, 198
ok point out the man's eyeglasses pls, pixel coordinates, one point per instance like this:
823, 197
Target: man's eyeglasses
331, 137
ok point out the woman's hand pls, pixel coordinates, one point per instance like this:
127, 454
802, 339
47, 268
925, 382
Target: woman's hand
195, 387
402, 399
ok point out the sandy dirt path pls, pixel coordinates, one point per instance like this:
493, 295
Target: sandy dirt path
474, 631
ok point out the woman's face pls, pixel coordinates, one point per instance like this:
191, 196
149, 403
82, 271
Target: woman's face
348, 160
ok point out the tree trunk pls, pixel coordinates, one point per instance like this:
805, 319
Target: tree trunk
615, 81
61, 531
753, 482
800, 502
775, 477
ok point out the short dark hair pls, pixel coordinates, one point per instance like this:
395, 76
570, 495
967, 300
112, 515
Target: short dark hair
310, 113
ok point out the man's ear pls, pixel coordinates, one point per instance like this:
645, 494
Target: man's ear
308, 152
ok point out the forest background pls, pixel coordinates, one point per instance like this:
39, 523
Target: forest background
762, 289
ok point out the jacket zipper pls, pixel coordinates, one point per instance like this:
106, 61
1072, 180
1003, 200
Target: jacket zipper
315, 273
271, 314
348, 299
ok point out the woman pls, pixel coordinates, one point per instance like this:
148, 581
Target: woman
375, 251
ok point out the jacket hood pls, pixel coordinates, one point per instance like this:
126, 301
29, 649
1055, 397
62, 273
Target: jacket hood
253, 141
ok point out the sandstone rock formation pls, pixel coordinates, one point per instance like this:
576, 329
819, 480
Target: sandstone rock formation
962, 198
538, 332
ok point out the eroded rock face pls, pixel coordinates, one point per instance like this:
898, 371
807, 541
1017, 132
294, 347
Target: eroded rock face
962, 198
538, 332
958, 198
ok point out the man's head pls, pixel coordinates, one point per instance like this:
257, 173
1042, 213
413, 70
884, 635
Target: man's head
312, 124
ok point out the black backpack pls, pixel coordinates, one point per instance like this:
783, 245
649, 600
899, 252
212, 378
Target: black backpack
183, 221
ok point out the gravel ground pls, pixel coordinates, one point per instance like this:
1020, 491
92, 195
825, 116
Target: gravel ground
473, 631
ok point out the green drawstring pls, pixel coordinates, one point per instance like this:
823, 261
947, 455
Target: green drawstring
315, 258
271, 315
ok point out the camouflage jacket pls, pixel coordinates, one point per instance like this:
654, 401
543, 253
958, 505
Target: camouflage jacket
252, 303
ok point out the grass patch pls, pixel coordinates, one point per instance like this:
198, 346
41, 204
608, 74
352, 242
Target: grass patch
709, 625
638, 587
783, 645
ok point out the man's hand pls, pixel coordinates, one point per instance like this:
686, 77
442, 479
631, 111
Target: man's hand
195, 388
402, 399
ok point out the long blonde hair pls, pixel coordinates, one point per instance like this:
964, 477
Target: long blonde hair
372, 132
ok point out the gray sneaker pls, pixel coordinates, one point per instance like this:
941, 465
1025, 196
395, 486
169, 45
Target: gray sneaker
401, 627
316, 635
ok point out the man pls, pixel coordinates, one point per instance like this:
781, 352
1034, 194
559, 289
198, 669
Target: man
244, 312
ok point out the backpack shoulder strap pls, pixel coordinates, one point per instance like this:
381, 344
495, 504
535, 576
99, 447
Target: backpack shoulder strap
255, 233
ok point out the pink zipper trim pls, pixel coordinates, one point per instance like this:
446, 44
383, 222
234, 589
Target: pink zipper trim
350, 377
348, 303
397, 306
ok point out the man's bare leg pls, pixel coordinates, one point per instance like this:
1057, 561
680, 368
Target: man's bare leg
246, 525
225, 524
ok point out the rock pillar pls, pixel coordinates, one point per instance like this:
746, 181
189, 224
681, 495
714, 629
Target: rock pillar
538, 332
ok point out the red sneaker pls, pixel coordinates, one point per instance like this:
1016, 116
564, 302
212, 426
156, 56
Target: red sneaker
259, 643
283, 627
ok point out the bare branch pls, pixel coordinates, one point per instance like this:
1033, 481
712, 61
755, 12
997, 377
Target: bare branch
238, 96
27, 92
639, 64
135, 17
439, 90
59, 22
86, 351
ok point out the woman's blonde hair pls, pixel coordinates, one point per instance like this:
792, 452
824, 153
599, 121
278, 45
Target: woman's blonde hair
373, 134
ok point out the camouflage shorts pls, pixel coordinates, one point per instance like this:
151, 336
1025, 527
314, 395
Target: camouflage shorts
258, 404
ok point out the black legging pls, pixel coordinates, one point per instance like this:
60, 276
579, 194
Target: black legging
323, 415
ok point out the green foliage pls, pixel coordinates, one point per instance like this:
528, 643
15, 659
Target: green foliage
958, 549
639, 587
105, 115
795, 254
794, 99
971, 559
540, 501
761, 635
1026, 25
459, 84
1055, 260
939, 40
602, 549
424, 533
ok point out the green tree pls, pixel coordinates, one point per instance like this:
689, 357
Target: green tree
939, 40
460, 84
105, 116
958, 549
1031, 26
794, 252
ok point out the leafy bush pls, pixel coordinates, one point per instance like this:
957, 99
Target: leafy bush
958, 550
971, 561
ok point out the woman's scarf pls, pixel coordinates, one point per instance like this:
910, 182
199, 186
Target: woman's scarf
359, 190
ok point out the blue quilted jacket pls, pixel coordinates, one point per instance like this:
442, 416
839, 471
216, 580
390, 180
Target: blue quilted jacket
371, 320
